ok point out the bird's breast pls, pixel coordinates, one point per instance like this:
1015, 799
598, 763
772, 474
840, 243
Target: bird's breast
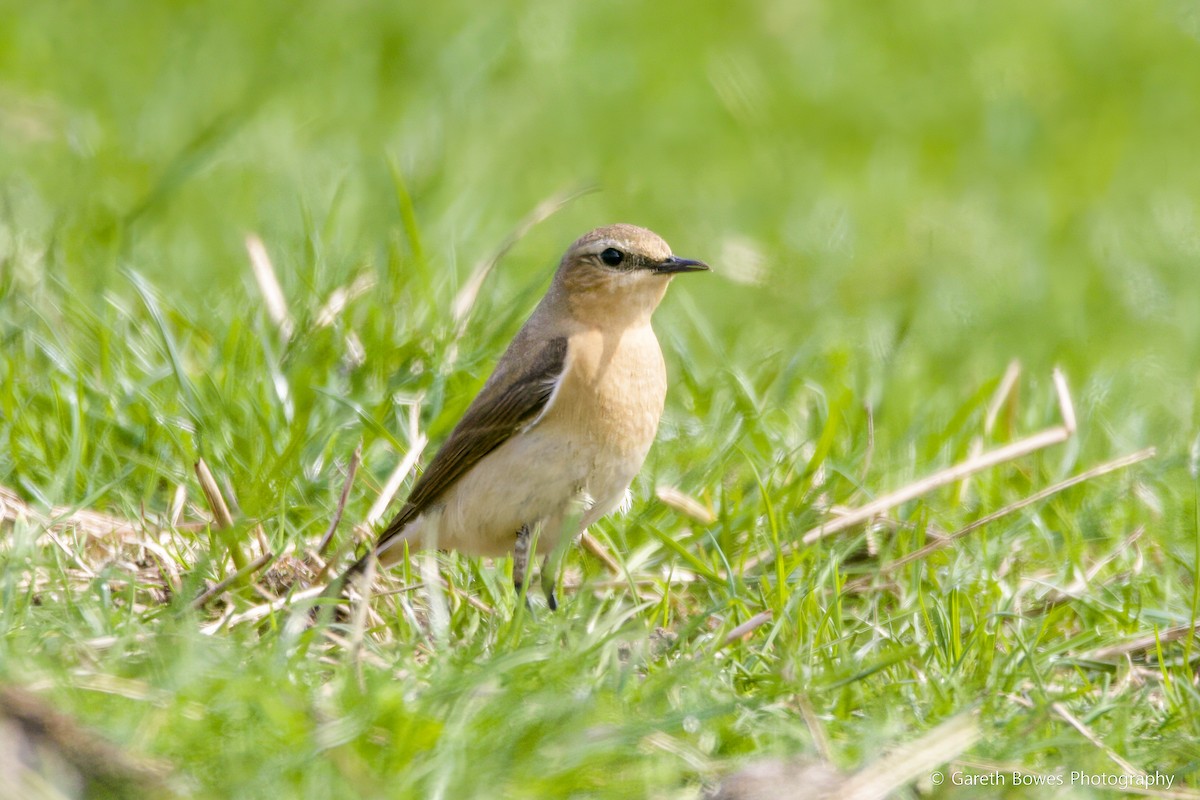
613, 390
587, 447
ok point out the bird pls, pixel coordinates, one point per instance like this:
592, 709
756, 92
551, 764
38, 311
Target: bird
562, 426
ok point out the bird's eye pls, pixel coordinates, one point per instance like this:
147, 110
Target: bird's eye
612, 256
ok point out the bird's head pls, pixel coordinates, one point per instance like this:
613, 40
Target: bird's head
619, 271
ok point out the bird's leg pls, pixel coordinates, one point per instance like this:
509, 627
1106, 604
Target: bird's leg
521, 560
549, 571
566, 528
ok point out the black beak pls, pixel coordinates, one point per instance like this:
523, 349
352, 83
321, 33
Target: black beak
675, 264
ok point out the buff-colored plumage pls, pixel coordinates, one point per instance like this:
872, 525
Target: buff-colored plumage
558, 432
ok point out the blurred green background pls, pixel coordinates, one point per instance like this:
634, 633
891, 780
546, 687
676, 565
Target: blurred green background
897, 198
976, 181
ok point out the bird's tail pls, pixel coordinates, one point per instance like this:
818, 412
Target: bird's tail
389, 548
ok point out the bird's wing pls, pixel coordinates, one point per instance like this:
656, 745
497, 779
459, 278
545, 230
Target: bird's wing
491, 420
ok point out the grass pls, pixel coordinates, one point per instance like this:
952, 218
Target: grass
899, 201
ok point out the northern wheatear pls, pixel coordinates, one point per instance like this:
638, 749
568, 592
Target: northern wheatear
558, 432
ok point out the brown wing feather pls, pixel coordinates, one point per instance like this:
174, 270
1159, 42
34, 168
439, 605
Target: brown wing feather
491, 420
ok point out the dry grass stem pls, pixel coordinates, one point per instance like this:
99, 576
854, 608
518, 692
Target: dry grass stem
1065, 407
228, 620
464, 301
1002, 395
953, 474
677, 578
912, 760
748, 627
468, 598
222, 520
268, 285
396, 479
1036, 497
435, 595
351, 469
592, 545
819, 736
71, 554
1091, 736
987, 460
178, 502
358, 625
205, 597
685, 504
90, 523
1144, 642
216, 501
1076, 589
341, 297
